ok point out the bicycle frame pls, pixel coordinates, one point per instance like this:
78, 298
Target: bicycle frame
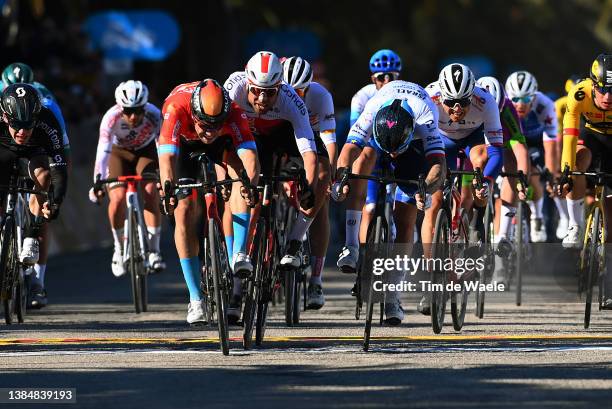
133, 206
597, 204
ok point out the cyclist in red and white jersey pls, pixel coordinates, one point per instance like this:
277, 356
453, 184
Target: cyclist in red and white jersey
297, 72
127, 145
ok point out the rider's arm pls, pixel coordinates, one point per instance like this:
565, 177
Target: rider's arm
571, 128
358, 135
549, 137
58, 167
516, 139
244, 142
494, 137
169, 140
327, 127
304, 138
105, 143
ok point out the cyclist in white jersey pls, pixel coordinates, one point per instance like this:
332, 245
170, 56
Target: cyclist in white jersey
275, 111
424, 152
127, 145
385, 66
297, 72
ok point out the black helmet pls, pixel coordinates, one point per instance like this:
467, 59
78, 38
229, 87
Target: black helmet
21, 104
394, 126
601, 72
17, 72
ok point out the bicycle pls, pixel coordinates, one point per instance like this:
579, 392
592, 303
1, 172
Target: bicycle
136, 244
378, 235
13, 283
592, 262
268, 241
217, 278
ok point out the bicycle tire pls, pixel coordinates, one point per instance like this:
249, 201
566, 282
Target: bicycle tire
269, 280
439, 251
21, 296
374, 236
593, 266
520, 252
251, 298
489, 259
133, 254
459, 307
8, 264
220, 293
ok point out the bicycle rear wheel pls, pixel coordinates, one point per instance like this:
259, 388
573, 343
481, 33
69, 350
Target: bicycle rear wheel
520, 251
489, 259
377, 234
221, 299
253, 287
459, 299
593, 265
439, 277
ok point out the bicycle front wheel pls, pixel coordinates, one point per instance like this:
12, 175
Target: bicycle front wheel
251, 298
133, 256
221, 299
377, 235
438, 276
520, 251
459, 299
593, 242
8, 268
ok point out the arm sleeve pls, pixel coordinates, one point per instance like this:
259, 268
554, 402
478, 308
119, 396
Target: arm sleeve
304, 137
358, 103
105, 144
426, 128
495, 161
327, 119
241, 132
550, 123
58, 166
571, 132
360, 132
492, 125
169, 134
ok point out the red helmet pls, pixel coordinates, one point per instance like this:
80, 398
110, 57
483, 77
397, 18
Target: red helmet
210, 102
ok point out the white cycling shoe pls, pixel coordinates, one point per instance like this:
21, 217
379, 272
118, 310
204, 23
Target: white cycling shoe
30, 251
538, 232
562, 228
347, 261
117, 264
573, 238
156, 262
195, 313
243, 267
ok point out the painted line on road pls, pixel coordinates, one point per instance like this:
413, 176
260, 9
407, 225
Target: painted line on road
413, 338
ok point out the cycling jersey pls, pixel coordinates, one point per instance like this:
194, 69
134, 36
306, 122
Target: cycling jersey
560, 107
46, 140
320, 106
511, 125
178, 123
359, 101
288, 107
114, 130
539, 124
580, 104
482, 111
425, 116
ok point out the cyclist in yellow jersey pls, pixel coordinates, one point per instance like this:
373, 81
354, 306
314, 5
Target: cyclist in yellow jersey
590, 99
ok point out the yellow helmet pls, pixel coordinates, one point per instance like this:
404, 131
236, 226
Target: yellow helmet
571, 81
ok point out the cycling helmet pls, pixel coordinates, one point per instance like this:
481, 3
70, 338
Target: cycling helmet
210, 102
17, 72
601, 71
385, 61
264, 70
393, 126
456, 82
297, 72
21, 104
521, 84
494, 88
571, 81
131, 94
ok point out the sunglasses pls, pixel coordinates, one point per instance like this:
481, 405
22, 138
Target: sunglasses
131, 111
602, 90
463, 102
17, 125
268, 92
527, 99
209, 126
382, 76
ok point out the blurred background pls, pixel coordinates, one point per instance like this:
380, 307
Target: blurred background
81, 49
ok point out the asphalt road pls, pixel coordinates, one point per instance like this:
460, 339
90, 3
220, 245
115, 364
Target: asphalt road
534, 356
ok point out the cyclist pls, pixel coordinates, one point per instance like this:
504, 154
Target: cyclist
31, 131
413, 141
560, 107
297, 72
590, 99
385, 66
126, 146
537, 114
20, 72
515, 158
275, 111
200, 117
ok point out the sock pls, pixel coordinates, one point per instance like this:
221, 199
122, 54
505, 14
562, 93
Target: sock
301, 226
240, 222
39, 277
154, 235
118, 238
539, 204
191, 272
316, 264
237, 290
561, 207
229, 243
353, 221
575, 211
507, 213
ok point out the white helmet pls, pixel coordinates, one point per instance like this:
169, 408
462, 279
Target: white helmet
521, 84
456, 82
297, 72
264, 69
131, 94
494, 87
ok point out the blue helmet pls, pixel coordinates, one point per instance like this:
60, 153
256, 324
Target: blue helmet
385, 61
393, 127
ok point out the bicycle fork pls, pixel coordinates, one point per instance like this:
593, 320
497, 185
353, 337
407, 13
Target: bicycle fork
133, 206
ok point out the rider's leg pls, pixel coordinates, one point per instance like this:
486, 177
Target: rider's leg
356, 198
320, 226
575, 199
507, 200
186, 216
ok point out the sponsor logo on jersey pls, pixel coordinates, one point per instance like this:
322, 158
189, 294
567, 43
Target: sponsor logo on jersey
52, 134
293, 97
